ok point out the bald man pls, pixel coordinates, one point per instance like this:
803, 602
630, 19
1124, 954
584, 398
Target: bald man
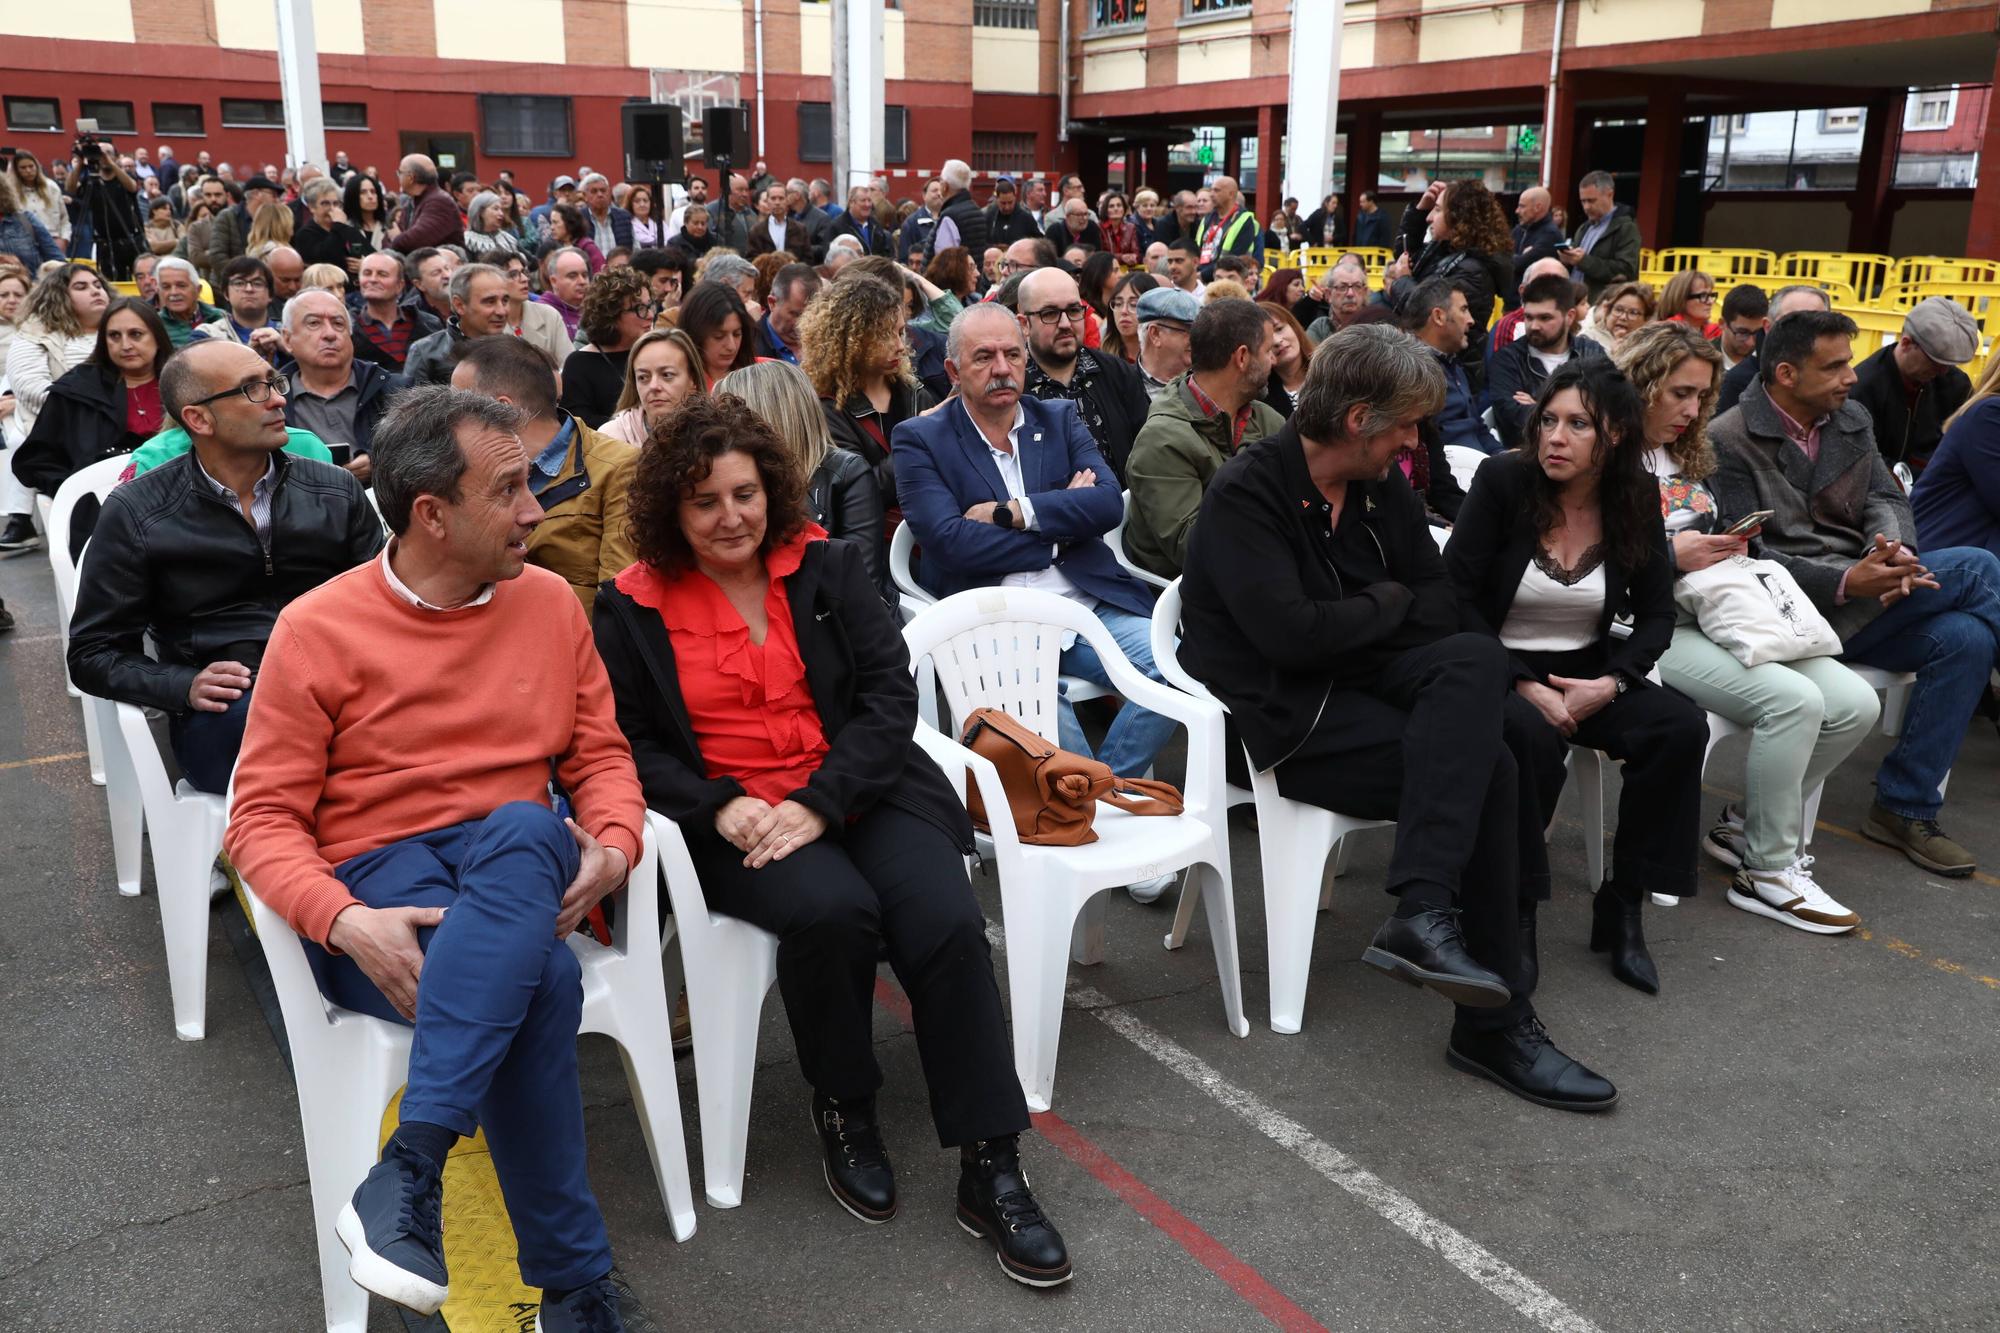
1230, 230
430, 217
1108, 393
1536, 237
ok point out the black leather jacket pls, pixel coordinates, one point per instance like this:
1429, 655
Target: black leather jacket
845, 499
432, 357
173, 559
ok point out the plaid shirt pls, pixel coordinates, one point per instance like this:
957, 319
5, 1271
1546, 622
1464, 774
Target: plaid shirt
1210, 407
1042, 385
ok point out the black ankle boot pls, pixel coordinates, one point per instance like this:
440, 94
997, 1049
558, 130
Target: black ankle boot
857, 1169
1531, 961
1615, 928
996, 1204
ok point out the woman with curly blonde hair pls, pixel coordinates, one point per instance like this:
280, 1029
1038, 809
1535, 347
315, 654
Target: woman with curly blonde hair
1804, 717
852, 348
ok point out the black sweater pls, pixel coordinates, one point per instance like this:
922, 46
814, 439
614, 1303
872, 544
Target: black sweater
1275, 617
591, 384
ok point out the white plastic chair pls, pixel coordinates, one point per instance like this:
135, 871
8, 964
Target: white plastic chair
347, 1066
1115, 539
1293, 842
1465, 461
95, 480
999, 647
186, 827
729, 967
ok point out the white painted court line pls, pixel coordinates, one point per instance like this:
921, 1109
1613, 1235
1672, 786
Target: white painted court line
1468, 1256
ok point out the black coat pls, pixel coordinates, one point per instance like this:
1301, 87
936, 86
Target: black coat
844, 498
319, 245
1906, 432
82, 422
591, 384
1482, 277
1495, 538
1514, 369
378, 389
970, 219
1062, 238
1274, 619
857, 670
1003, 229
1323, 228
1113, 406
881, 238
905, 401
1533, 241
172, 559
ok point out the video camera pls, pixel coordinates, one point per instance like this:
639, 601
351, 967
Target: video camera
89, 148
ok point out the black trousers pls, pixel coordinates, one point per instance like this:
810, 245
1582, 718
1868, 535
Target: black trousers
1660, 736
1423, 747
892, 880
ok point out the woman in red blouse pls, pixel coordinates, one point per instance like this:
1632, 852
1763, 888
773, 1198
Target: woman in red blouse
767, 695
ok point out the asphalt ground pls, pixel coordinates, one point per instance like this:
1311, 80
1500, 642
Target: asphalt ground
1804, 1140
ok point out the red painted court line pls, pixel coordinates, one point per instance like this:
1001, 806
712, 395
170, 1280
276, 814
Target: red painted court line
1203, 1248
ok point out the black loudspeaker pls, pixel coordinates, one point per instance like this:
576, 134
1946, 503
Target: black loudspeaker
653, 142
725, 136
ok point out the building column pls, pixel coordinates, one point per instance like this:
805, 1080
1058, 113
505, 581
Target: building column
1270, 180
1563, 142
1982, 236
1314, 106
1868, 229
1660, 169
1156, 167
1232, 153
1364, 162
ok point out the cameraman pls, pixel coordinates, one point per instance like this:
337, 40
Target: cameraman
105, 203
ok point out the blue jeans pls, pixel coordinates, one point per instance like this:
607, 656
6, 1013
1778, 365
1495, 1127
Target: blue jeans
497, 1011
1136, 735
1949, 636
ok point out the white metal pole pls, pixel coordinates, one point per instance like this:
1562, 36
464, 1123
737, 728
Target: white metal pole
863, 83
1315, 101
298, 81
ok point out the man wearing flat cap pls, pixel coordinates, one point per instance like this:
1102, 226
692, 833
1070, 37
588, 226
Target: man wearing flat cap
1911, 387
1166, 314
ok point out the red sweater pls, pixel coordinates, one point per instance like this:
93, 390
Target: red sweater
375, 720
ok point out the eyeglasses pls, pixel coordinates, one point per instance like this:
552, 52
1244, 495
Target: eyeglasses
644, 310
256, 391
1350, 287
1701, 296
1053, 315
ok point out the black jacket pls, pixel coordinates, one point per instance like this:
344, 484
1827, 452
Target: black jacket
1324, 228
859, 675
1738, 378
1494, 539
1062, 238
1275, 618
881, 238
82, 422
1533, 241
1482, 277
378, 388
432, 357
337, 245
1003, 229
1110, 395
844, 498
172, 559
1907, 432
970, 219
905, 401
591, 384
1514, 369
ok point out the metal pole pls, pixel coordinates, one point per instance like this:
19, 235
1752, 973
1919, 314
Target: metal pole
298, 81
843, 142
1062, 78
1314, 100
1549, 105
859, 90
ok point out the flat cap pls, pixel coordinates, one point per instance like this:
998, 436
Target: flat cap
1944, 329
1168, 303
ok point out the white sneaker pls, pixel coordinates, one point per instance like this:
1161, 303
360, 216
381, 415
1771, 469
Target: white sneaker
1791, 896
1149, 890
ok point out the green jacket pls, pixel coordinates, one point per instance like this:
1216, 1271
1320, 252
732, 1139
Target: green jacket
1173, 458
172, 442
182, 331
1615, 257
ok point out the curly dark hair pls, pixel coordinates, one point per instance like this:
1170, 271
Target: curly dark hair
952, 269
575, 230
678, 456
1628, 496
1477, 221
606, 300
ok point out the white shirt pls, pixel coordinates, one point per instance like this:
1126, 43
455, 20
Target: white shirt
409, 594
776, 226
1548, 361
1552, 617
1008, 462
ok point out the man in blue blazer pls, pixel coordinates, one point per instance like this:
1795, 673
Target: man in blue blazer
1006, 489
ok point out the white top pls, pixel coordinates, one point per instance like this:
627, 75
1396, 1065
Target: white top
776, 227
1548, 361
1552, 617
1008, 463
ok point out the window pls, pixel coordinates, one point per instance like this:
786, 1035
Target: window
526, 126
178, 118
253, 113
816, 133
1931, 110
1004, 14
1116, 13
1845, 120
1002, 151
344, 115
33, 113
1197, 9
111, 117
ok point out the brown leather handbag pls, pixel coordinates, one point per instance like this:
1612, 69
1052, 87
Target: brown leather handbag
1054, 793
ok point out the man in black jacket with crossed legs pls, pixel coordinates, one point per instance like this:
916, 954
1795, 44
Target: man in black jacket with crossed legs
1317, 609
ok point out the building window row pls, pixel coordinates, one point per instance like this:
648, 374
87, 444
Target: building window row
1121, 13
1005, 13
172, 119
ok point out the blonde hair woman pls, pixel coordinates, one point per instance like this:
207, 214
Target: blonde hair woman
325, 278
851, 343
842, 494
1804, 717
271, 228
662, 371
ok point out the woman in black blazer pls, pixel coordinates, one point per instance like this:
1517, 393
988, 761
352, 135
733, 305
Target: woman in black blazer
767, 696
1557, 542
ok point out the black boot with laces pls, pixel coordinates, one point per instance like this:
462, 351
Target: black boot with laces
996, 1204
857, 1168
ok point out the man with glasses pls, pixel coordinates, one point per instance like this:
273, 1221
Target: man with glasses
1745, 315
1913, 386
479, 309
1335, 302
1166, 315
206, 580
1109, 395
246, 286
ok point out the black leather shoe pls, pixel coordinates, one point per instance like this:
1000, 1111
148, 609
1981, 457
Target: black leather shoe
995, 1204
1615, 928
1531, 961
857, 1169
1524, 1061
1427, 950
18, 535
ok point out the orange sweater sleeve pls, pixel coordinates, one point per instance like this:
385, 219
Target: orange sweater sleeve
597, 768
280, 776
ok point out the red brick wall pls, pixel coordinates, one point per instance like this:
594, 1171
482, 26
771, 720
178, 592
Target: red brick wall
398, 27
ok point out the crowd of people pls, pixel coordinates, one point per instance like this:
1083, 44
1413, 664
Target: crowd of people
619, 480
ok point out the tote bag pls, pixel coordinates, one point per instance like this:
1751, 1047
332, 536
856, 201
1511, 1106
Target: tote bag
1756, 612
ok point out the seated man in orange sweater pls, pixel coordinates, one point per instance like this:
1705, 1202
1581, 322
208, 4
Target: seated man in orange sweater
392, 803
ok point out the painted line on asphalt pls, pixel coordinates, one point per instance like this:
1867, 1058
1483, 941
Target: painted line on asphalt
1905, 949
44, 759
1203, 1248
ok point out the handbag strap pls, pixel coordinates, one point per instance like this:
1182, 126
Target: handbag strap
1144, 796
